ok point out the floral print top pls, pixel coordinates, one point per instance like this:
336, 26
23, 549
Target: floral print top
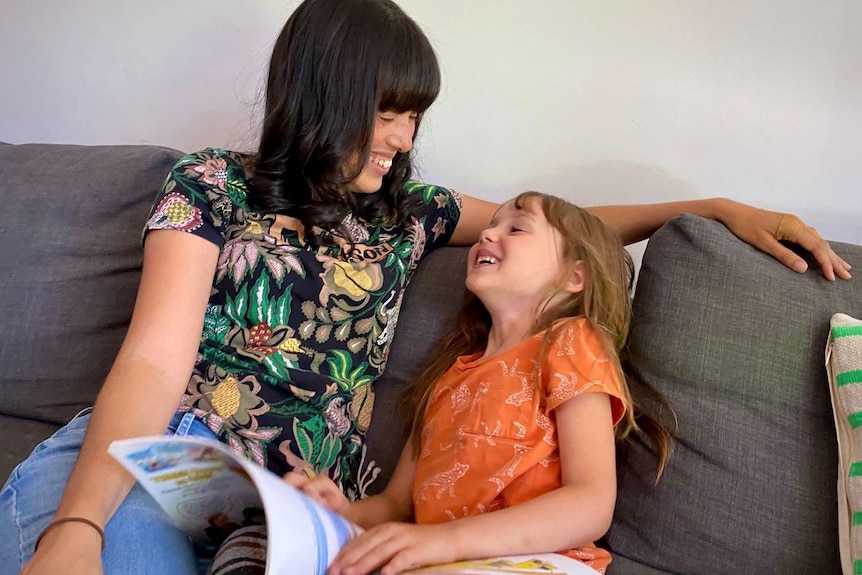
295, 332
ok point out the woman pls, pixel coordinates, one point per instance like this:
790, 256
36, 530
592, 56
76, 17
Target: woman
271, 287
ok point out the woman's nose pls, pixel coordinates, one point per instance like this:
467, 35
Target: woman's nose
401, 134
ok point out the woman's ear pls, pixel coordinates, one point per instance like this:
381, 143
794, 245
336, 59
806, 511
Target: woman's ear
576, 277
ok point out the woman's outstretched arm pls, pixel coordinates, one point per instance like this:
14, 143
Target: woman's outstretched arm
761, 228
139, 397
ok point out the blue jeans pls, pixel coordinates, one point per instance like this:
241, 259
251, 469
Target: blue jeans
140, 538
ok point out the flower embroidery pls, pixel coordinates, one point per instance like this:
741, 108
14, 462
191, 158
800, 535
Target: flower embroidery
336, 417
416, 235
213, 172
175, 212
439, 227
262, 340
353, 280
227, 397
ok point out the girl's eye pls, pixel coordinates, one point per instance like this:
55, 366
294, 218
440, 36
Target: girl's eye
515, 230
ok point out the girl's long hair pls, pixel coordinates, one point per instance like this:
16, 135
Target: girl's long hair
335, 65
605, 302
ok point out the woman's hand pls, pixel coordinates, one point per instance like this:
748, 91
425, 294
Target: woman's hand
395, 547
764, 229
72, 549
321, 489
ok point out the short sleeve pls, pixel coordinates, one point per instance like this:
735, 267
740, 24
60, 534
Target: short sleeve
438, 214
199, 195
576, 363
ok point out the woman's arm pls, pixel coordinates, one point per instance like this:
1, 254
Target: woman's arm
761, 228
576, 514
140, 394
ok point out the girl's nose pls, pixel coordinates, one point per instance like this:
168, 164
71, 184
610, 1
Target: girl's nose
487, 235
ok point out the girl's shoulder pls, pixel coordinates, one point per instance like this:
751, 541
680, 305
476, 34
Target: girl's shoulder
571, 325
567, 335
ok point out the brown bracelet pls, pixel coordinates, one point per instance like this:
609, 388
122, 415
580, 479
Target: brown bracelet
68, 520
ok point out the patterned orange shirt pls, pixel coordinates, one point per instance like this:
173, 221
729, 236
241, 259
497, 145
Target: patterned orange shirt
489, 439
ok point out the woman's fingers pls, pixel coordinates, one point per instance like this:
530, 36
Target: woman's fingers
791, 228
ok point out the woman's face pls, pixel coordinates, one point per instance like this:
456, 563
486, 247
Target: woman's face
393, 133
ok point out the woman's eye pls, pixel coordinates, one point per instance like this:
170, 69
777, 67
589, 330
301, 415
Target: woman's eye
385, 117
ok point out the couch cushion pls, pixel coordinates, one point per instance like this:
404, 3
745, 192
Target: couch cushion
735, 342
427, 314
70, 245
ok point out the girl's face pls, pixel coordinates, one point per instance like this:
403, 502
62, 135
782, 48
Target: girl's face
393, 133
517, 260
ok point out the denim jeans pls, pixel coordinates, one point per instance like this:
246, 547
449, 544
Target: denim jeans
140, 538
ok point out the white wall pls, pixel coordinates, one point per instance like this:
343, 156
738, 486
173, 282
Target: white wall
601, 101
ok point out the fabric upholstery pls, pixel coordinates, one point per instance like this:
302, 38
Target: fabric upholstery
428, 313
734, 341
70, 246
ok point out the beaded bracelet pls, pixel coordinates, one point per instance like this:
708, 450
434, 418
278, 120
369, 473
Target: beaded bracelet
67, 520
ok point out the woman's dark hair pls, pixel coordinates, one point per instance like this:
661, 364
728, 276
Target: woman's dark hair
336, 64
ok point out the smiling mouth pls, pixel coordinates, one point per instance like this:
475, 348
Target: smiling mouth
485, 260
385, 164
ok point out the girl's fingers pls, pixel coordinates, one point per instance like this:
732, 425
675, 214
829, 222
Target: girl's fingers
366, 553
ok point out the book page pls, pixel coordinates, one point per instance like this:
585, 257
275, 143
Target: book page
208, 491
537, 564
201, 487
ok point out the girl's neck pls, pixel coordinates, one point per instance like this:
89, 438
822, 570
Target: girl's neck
507, 331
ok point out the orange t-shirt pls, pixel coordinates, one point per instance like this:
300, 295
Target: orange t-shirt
489, 438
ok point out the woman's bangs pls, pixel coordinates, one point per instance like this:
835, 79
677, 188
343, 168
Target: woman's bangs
409, 77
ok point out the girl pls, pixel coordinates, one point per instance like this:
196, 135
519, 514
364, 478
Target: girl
264, 276
518, 412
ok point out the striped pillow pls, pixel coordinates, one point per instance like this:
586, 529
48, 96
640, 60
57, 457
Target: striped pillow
844, 366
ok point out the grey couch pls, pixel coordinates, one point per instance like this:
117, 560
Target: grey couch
731, 338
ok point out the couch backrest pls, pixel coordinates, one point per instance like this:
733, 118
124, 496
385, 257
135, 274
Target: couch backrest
428, 313
70, 246
735, 342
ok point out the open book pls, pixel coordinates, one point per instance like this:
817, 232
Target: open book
208, 491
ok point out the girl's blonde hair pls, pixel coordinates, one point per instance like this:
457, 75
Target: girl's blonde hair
604, 301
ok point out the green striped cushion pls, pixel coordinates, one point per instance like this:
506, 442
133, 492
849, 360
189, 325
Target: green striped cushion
844, 365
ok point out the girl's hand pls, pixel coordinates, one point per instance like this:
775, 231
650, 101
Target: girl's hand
395, 547
763, 229
321, 489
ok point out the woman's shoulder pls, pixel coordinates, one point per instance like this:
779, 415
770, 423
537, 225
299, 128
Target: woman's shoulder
216, 162
431, 193
416, 186
214, 175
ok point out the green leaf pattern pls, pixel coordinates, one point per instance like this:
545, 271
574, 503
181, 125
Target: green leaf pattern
296, 332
